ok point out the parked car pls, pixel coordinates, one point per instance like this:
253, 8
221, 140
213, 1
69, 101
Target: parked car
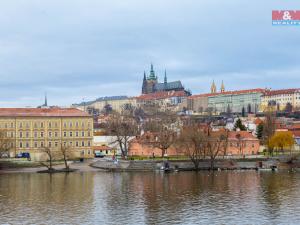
99, 154
4, 155
19, 155
23, 155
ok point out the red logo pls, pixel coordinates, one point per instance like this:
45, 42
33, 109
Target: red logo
286, 15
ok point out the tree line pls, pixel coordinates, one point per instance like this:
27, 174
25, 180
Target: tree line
198, 143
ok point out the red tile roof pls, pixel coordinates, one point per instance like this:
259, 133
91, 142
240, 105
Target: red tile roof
238, 92
102, 148
281, 91
42, 112
243, 135
162, 95
202, 95
258, 121
296, 133
260, 90
295, 126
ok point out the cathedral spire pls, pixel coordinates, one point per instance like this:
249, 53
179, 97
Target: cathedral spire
152, 73
213, 87
144, 86
165, 80
222, 87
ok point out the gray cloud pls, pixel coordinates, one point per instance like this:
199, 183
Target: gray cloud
90, 48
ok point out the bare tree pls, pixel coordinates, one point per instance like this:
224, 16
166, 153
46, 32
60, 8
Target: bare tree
5, 143
123, 128
164, 129
225, 143
164, 139
150, 110
200, 143
210, 111
269, 127
217, 143
239, 143
128, 109
193, 141
66, 153
51, 155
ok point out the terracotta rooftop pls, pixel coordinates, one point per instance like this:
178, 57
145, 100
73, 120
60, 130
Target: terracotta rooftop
259, 90
258, 121
162, 95
202, 95
296, 133
102, 148
281, 91
243, 135
242, 91
295, 126
42, 112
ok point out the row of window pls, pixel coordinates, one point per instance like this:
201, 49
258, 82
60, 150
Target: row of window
241, 144
76, 134
82, 152
50, 124
282, 95
283, 99
51, 144
51, 134
6, 125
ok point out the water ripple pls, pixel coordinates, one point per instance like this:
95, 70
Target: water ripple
245, 197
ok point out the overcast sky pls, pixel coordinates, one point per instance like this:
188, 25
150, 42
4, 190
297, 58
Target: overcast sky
91, 48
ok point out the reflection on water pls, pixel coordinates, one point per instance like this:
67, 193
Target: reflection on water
246, 197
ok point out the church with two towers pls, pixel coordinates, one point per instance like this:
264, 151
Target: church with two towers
213, 88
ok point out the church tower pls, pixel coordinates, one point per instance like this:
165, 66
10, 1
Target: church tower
213, 88
149, 82
165, 81
222, 87
152, 74
144, 87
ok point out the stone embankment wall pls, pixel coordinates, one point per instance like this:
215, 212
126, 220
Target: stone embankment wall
151, 165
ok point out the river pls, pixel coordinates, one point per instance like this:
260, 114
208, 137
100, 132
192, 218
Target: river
227, 197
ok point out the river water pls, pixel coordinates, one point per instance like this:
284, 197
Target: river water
234, 197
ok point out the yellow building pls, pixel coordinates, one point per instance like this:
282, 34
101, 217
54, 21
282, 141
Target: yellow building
280, 98
33, 129
117, 103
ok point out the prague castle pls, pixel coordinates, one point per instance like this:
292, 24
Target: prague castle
151, 84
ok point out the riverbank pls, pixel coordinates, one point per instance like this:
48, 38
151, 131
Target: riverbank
186, 165
107, 164
35, 167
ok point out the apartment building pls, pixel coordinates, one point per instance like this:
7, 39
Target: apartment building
33, 129
280, 98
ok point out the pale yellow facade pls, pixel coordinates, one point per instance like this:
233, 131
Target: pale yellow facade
32, 134
281, 99
116, 104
